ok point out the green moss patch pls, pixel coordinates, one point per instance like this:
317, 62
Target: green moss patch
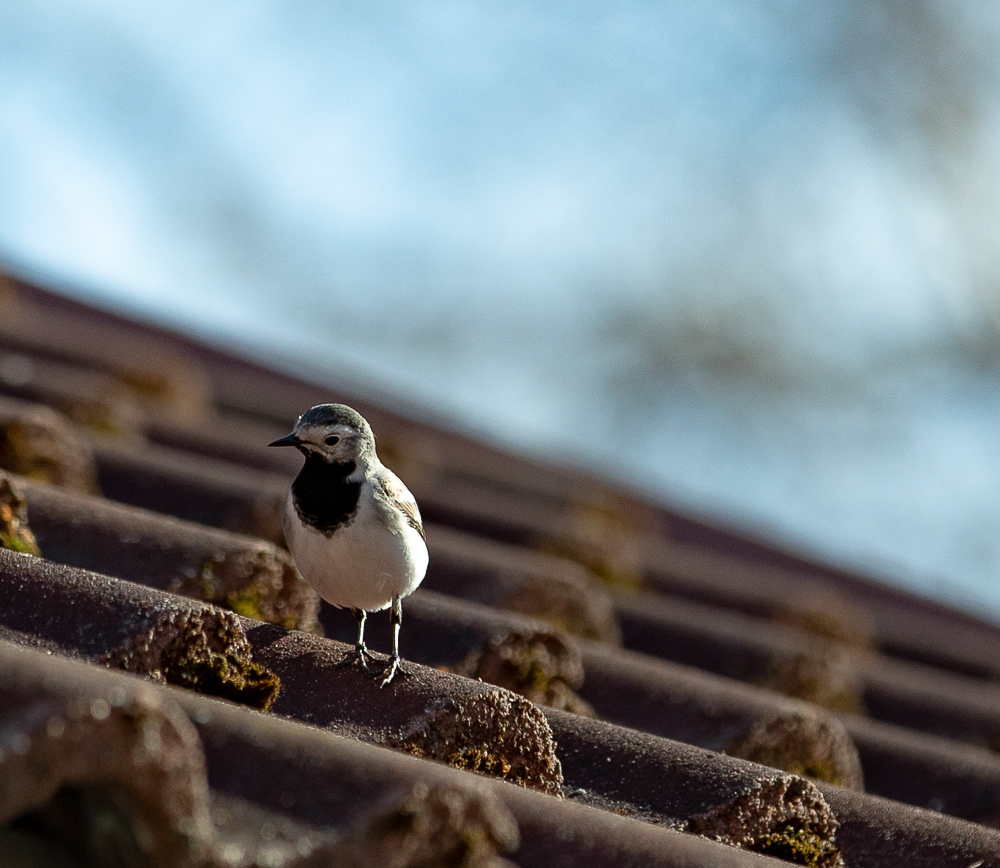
228, 676
256, 581
480, 759
541, 667
247, 603
797, 845
205, 651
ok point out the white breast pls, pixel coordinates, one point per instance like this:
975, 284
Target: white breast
362, 565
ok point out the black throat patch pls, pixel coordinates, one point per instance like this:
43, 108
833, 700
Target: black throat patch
323, 497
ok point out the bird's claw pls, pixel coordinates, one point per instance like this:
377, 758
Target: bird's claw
390, 669
358, 655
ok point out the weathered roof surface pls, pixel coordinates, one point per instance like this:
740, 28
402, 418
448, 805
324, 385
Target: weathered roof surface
593, 678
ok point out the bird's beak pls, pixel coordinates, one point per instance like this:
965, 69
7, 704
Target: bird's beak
287, 440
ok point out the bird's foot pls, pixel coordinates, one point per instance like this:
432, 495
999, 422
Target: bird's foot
361, 655
390, 669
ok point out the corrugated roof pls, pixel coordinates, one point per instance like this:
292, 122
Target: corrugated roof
594, 678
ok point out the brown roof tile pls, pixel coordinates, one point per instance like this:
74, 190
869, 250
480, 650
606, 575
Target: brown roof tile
506, 533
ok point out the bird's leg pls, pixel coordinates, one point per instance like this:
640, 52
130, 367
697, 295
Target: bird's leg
360, 651
393, 666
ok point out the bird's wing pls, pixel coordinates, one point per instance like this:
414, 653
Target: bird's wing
400, 497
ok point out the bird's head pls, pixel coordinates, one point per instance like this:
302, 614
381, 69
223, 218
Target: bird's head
333, 432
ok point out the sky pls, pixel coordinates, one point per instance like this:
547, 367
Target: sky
743, 255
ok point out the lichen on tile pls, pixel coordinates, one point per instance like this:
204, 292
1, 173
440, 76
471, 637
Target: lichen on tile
496, 733
784, 814
15, 534
541, 668
203, 650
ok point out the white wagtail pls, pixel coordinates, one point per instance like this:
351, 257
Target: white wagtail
351, 525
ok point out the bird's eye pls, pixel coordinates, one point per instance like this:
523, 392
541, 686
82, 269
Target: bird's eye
332, 440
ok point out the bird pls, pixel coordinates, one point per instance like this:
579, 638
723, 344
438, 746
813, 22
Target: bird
353, 528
